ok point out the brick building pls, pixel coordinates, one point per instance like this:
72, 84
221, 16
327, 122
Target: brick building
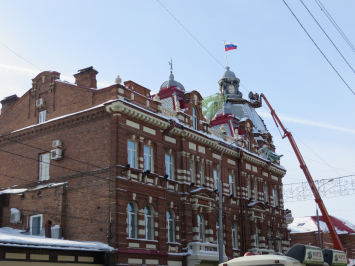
304, 230
139, 171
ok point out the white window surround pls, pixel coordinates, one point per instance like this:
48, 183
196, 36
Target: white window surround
169, 166
132, 153
35, 229
44, 163
42, 116
148, 158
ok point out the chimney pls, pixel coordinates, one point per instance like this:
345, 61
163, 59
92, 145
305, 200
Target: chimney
7, 102
86, 77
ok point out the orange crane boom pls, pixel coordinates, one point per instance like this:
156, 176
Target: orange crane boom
337, 244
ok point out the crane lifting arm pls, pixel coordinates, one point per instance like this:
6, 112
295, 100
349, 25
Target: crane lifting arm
337, 244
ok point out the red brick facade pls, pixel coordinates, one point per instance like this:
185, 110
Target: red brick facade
94, 126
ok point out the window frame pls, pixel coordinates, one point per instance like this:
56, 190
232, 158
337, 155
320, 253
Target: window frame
234, 236
256, 234
170, 226
202, 174
215, 178
170, 176
41, 223
42, 115
129, 160
217, 230
149, 229
131, 224
274, 192
44, 167
248, 141
256, 190
201, 227
194, 118
231, 184
266, 194
248, 188
147, 157
192, 171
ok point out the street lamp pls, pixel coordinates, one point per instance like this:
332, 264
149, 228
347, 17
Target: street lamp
319, 235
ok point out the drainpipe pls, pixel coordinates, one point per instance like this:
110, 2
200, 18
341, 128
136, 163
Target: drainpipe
220, 192
239, 163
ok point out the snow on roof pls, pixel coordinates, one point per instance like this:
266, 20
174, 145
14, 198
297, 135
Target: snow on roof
309, 224
13, 191
13, 237
20, 190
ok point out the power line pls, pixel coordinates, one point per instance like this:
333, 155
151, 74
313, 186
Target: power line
327, 14
190, 34
20, 56
319, 48
327, 36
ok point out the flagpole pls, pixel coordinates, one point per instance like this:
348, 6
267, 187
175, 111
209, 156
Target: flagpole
224, 45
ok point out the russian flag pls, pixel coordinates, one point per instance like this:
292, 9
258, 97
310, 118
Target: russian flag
230, 46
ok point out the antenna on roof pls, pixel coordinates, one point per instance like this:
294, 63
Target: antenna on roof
171, 66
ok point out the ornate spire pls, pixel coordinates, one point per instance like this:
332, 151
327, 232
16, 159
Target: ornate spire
171, 66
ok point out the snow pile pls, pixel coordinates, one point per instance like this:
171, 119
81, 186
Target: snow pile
13, 237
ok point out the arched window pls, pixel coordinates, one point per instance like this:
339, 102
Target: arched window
248, 141
269, 237
256, 234
194, 115
234, 235
131, 220
148, 217
256, 190
131, 153
171, 226
201, 227
279, 242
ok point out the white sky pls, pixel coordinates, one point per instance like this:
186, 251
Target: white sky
136, 39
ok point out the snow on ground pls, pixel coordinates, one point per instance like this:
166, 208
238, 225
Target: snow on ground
13, 237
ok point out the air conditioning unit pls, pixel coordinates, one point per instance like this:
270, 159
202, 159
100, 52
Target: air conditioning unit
56, 154
57, 144
40, 103
15, 216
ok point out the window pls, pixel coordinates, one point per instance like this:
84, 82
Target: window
168, 166
256, 190
248, 140
171, 226
256, 234
42, 117
131, 221
266, 194
131, 153
274, 191
148, 223
217, 230
192, 171
194, 115
234, 235
44, 162
215, 177
231, 185
279, 242
202, 174
36, 224
147, 158
201, 227
269, 237
248, 187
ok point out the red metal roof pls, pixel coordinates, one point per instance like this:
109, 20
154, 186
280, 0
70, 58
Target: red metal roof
339, 225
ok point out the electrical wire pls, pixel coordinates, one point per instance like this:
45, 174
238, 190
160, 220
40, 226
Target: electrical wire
319, 48
327, 14
191, 34
327, 36
20, 56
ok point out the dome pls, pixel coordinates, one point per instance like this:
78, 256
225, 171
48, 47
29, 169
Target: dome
228, 74
243, 110
171, 83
